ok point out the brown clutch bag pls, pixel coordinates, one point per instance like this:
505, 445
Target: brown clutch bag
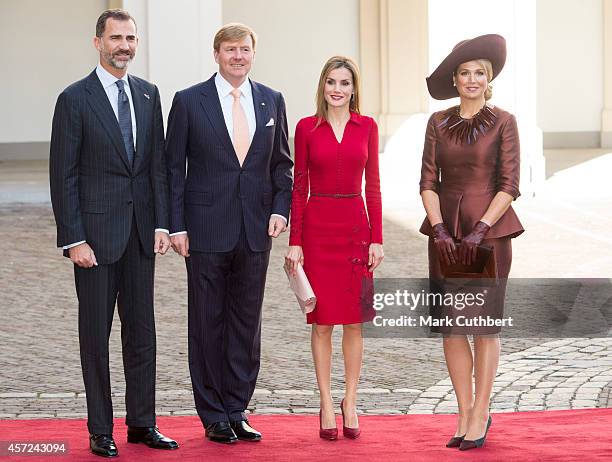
483, 267
301, 288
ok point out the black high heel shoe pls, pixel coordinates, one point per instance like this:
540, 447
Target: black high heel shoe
472, 444
455, 441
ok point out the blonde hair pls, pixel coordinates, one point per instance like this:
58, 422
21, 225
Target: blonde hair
337, 62
233, 32
488, 67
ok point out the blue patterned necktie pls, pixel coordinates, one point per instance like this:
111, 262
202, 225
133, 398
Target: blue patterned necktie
125, 120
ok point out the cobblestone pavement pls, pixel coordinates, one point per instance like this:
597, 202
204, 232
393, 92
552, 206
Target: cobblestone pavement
40, 369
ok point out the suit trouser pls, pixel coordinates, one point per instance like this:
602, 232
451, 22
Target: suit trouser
226, 292
129, 282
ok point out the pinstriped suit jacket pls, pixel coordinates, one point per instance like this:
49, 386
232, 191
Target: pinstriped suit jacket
210, 198
95, 193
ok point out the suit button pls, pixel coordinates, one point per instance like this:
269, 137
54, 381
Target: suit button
129, 202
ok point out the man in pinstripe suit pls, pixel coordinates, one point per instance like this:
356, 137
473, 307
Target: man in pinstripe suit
110, 199
233, 197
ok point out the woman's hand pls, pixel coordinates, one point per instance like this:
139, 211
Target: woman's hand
470, 243
445, 245
376, 256
293, 258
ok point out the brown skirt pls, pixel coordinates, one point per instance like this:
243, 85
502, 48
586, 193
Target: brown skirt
446, 317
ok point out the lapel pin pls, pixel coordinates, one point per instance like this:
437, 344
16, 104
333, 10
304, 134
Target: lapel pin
263, 104
146, 96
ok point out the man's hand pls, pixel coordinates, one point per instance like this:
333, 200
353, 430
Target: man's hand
162, 242
82, 255
277, 225
180, 244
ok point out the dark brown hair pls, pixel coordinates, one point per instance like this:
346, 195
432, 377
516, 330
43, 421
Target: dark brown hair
118, 14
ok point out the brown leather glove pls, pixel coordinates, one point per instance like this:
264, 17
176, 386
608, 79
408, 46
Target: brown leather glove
445, 244
470, 243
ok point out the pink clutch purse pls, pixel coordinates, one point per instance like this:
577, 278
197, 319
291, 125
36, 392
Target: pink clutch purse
301, 288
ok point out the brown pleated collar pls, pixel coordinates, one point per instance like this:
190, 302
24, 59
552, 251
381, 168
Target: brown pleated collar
467, 130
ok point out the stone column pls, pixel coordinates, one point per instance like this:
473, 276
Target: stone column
393, 44
175, 49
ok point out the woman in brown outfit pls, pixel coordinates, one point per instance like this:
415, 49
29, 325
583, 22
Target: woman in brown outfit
469, 178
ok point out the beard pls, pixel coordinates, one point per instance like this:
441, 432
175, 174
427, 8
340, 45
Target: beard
111, 58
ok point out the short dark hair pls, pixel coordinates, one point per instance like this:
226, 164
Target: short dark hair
118, 14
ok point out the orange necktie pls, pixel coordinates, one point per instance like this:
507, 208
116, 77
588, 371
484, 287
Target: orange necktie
241, 127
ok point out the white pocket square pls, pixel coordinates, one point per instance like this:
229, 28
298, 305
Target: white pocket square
270, 122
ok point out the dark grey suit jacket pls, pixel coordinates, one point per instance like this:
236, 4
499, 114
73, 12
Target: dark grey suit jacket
95, 192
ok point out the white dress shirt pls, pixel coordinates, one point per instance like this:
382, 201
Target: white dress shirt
224, 89
112, 92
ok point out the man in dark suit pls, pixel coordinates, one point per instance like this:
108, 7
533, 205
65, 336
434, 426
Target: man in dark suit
234, 195
110, 199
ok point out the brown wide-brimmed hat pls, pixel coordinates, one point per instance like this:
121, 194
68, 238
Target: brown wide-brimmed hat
490, 46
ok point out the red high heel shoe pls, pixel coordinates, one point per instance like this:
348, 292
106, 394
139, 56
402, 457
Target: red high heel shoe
327, 433
352, 433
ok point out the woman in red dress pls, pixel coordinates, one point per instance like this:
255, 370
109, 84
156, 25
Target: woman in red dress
332, 235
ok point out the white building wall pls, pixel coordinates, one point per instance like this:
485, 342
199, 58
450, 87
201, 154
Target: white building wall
45, 47
180, 35
48, 45
295, 40
569, 66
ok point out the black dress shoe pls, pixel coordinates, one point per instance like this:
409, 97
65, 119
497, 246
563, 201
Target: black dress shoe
151, 437
244, 431
103, 445
220, 432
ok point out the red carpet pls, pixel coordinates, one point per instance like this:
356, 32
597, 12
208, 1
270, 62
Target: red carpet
580, 435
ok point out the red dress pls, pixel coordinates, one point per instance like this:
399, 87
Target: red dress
328, 216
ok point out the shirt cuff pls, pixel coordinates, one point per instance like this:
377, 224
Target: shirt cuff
176, 234
69, 246
277, 215
163, 230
